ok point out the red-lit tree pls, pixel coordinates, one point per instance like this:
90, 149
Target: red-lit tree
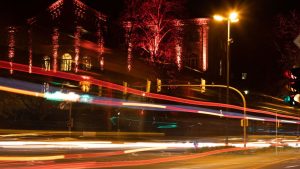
288, 28
151, 27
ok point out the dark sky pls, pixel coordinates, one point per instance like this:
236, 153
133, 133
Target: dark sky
253, 36
195, 8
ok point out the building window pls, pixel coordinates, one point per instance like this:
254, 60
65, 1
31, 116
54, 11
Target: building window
47, 63
244, 76
86, 63
66, 62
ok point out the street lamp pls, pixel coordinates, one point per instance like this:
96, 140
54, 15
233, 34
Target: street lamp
231, 18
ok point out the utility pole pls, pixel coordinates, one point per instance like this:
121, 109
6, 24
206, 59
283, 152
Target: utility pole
70, 119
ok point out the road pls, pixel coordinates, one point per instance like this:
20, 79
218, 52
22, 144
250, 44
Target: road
293, 163
36, 150
261, 160
143, 160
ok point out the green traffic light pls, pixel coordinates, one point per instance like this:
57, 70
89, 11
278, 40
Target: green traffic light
287, 99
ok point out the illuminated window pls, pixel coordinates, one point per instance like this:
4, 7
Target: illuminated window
66, 62
244, 76
46, 64
85, 86
86, 63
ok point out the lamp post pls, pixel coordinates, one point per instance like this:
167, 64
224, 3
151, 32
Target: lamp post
232, 17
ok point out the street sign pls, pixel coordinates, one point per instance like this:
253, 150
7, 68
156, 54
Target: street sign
297, 41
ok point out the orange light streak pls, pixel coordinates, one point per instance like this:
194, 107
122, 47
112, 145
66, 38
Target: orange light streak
20, 91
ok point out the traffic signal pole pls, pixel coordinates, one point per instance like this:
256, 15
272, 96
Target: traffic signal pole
245, 120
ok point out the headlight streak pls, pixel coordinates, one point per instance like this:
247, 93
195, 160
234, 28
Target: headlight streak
287, 121
255, 118
210, 113
37, 70
145, 149
20, 91
33, 158
143, 105
117, 102
94, 164
131, 148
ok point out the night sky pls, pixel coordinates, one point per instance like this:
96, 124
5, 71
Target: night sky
253, 48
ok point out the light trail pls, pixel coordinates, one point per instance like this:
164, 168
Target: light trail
110, 164
209, 113
74, 77
127, 147
255, 118
33, 158
20, 91
119, 102
143, 105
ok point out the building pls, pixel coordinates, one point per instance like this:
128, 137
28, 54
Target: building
69, 36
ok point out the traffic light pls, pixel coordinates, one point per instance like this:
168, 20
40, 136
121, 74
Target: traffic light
293, 76
85, 86
290, 100
244, 122
203, 82
294, 79
278, 124
158, 85
99, 90
125, 88
148, 86
295, 73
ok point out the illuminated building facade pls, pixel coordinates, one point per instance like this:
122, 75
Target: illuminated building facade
190, 46
195, 44
69, 36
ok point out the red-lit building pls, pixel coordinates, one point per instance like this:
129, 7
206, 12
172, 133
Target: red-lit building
70, 36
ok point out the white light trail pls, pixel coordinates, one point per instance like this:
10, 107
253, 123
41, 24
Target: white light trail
210, 113
255, 118
144, 105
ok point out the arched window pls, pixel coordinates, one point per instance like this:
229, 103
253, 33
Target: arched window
66, 62
86, 63
46, 63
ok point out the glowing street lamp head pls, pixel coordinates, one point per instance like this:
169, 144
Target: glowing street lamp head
218, 18
233, 17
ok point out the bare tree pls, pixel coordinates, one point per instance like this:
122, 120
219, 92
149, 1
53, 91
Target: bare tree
287, 29
150, 25
20, 107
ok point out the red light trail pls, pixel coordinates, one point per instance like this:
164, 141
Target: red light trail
74, 77
110, 164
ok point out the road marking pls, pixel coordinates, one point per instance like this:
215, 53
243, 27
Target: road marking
291, 166
275, 162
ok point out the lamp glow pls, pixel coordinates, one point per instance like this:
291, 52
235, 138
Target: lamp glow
233, 16
218, 18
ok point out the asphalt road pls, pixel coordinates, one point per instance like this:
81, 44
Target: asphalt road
21, 151
259, 160
85, 158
